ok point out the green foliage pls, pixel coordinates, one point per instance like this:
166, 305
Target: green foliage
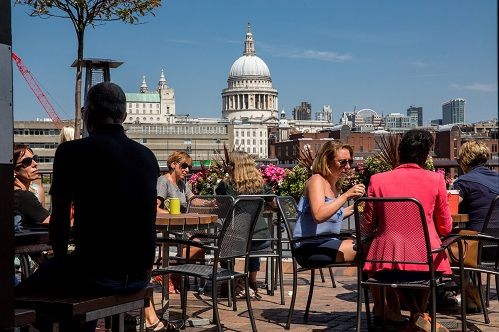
294, 182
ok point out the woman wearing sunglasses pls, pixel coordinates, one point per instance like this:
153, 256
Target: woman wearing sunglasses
27, 207
321, 208
172, 184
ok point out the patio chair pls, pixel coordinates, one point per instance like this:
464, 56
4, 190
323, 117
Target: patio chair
394, 214
273, 253
491, 227
289, 213
209, 204
488, 256
234, 241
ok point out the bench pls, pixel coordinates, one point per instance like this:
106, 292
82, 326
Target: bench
24, 317
78, 310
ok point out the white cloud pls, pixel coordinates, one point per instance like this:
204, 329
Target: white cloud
418, 64
475, 87
320, 55
297, 53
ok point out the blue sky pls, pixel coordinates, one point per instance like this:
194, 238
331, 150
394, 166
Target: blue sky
384, 55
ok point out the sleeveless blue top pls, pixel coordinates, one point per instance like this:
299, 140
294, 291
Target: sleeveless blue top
306, 226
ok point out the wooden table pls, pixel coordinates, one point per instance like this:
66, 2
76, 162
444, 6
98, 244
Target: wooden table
166, 220
184, 222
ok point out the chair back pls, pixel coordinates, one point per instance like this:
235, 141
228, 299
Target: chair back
489, 251
397, 231
235, 236
288, 211
492, 219
211, 204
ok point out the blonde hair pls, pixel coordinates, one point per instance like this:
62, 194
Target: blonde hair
177, 157
473, 153
67, 134
326, 155
246, 178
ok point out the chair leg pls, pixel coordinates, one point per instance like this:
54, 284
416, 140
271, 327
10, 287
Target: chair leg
310, 293
281, 279
433, 308
331, 274
359, 304
216, 316
142, 316
323, 280
487, 291
293, 295
183, 296
482, 300
497, 286
248, 303
464, 325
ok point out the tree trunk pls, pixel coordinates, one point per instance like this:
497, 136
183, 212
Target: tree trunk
79, 69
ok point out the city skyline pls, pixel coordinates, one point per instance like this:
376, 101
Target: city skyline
382, 56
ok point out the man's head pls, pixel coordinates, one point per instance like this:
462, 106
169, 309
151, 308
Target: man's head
105, 104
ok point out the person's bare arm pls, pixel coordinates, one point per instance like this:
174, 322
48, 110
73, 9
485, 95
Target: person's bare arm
158, 204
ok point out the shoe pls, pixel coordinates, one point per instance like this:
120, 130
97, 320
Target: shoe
423, 321
241, 294
158, 326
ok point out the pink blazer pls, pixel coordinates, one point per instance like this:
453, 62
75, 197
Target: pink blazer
410, 180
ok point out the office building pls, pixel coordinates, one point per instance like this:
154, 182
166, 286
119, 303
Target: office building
303, 111
416, 113
453, 111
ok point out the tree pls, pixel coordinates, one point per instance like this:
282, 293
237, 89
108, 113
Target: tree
83, 13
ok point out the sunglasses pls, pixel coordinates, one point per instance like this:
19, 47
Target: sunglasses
185, 166
344, 162
26, 162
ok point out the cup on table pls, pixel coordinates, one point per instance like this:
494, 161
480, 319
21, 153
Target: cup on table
174, 205
453, 199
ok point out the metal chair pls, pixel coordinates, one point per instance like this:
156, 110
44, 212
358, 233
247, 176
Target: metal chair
404, 217
273, 253
234, 241
289, 213
491, 227
488, 256
209, 204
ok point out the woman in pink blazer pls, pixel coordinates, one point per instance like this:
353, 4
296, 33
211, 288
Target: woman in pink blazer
410, 179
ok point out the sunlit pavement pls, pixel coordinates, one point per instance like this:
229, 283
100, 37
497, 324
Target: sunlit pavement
332, 309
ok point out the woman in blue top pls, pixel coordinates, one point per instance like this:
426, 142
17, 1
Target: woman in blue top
321, 210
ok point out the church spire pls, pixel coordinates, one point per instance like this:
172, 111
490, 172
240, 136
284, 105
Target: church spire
143, 87
249, 46
162, 81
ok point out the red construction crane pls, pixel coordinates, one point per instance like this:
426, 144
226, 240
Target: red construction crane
35, 87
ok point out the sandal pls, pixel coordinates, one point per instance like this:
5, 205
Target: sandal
158, 326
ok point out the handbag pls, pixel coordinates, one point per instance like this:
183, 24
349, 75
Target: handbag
470, 250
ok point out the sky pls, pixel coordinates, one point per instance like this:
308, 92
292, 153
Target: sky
383, 55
